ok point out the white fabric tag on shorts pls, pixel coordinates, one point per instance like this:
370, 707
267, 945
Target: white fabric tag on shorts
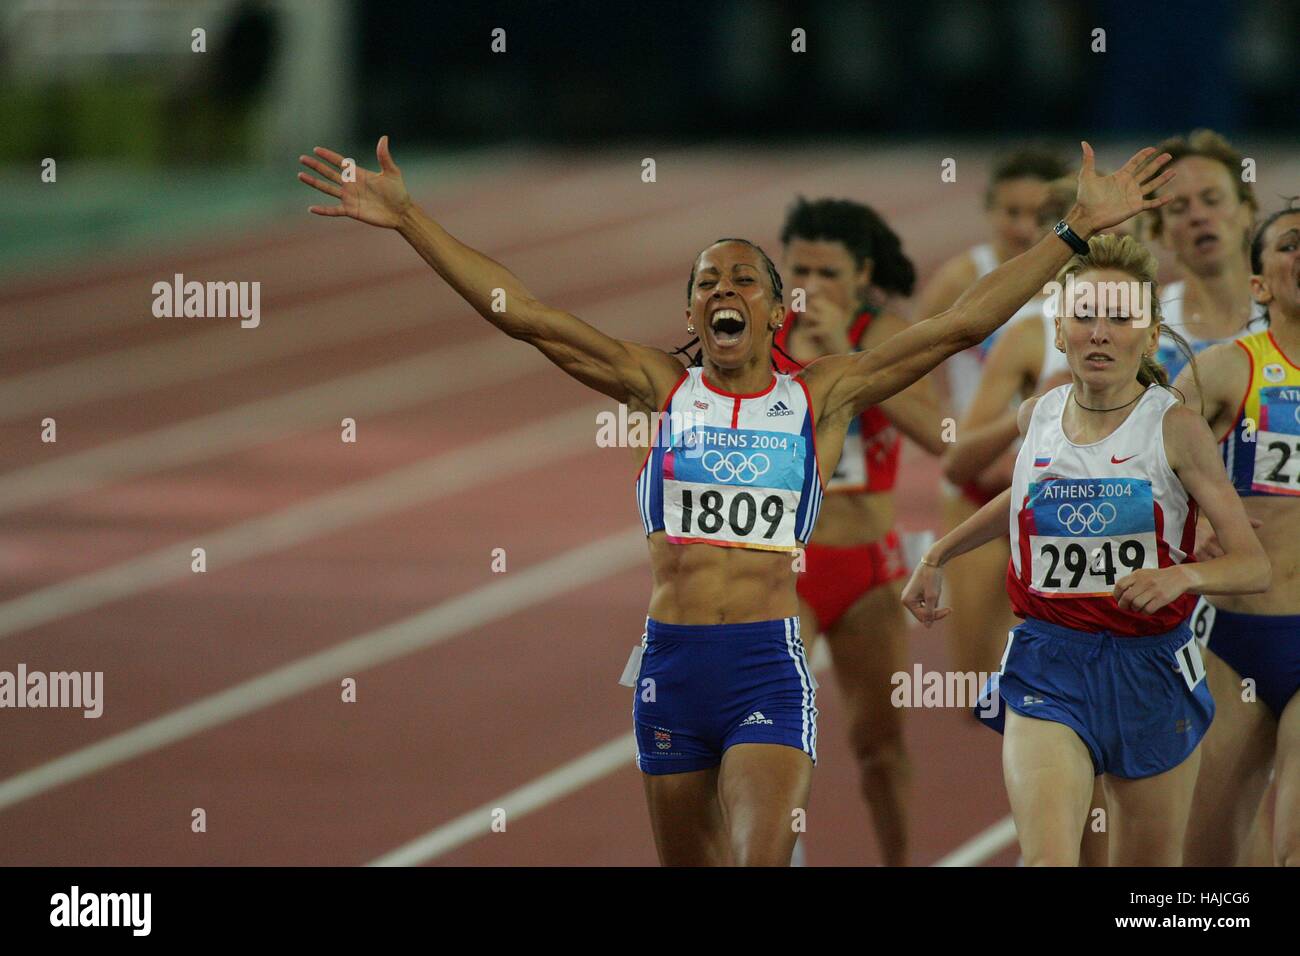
633, 667
1202, 620
1002, 665
1190, 664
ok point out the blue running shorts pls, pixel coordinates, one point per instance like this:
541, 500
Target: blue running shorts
1140, 704
703, 688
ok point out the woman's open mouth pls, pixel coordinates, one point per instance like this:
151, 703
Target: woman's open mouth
727, 326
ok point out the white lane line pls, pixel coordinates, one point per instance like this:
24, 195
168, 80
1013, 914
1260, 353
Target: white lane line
520, 589
152, 366
568, 433
593, 766
534, 795
421, 378
143, 368
983, 845
434, 374
395, 385
557, 784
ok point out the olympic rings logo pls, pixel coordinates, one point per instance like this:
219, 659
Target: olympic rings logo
1086, 516
736, 466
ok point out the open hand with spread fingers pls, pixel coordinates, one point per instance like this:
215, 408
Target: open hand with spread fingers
1106, 201
379, 199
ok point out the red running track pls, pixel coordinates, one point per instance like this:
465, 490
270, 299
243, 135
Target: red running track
450, 727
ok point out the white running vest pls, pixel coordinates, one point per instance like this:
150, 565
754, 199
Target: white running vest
738, 471
1083, 516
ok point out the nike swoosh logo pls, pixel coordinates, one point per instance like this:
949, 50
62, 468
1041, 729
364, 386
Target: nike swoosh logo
1120, 461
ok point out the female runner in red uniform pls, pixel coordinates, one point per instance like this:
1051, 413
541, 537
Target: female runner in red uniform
722, 631
837, 251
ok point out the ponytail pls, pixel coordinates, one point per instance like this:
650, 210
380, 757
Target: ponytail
1151, 372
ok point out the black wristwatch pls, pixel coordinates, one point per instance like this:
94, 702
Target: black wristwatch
1071, 238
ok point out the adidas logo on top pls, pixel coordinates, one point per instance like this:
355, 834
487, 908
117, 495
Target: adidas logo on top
755, 718
779, 409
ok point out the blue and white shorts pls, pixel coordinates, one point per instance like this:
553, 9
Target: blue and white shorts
1139, 704
702, 688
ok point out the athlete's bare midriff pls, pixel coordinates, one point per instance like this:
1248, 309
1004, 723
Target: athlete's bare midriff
853, 518
1279, 533
707, 584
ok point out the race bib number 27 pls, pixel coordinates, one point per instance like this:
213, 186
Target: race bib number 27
1277, 443
1085, 534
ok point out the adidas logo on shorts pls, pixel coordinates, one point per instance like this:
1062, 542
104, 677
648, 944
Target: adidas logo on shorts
755, 718
779, 409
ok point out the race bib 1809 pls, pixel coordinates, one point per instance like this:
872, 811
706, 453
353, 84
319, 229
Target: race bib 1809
1087, 533
1277, 441
734, 486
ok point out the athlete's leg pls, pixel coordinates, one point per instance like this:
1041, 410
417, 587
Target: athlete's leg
1148, 817
1286, 823
1258, 850
686, 818
761, 787
1235, 756
975, 588
1094, 850
868, 646
1049, 775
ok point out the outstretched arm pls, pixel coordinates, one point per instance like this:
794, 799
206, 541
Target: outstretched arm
851, 383
624, 371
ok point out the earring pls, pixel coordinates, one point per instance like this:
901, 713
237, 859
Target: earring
690, 328
779, 324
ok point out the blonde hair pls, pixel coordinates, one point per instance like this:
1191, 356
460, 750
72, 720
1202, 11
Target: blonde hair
1207, 144
1128, 255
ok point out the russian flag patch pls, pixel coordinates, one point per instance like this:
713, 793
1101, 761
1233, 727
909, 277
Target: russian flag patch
1042, 462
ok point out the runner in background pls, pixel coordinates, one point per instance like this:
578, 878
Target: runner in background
1249, 392
1207, 226
838, 251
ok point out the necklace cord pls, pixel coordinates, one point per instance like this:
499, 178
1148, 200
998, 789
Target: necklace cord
1088, 408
